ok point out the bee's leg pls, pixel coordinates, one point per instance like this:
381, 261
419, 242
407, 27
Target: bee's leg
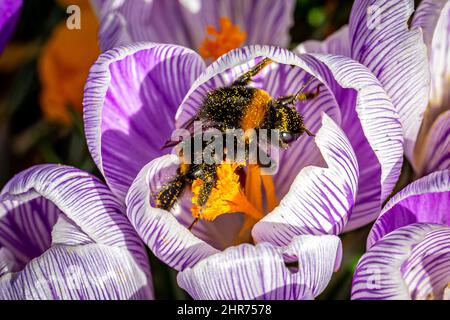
309, 133
292, 99
247, 77
193, 224
170, 193
299, 96
303, 96
209, 178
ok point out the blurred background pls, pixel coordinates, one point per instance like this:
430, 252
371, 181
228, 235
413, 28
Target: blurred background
42, 75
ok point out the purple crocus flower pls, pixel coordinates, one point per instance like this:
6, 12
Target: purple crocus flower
9, 14
190, 23
63, 235
135, 97
379, 37
408, 247
432, 147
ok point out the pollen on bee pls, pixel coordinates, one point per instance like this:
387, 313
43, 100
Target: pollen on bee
256, 110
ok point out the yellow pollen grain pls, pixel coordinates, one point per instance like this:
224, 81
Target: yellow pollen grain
219, 42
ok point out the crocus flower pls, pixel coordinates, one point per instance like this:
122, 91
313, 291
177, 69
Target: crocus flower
64, 65
9, 14
379, 37
63, 235
432, 147
408, 253
135, 97
211, 27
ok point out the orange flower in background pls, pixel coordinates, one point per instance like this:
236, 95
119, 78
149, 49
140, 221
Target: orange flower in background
64, 65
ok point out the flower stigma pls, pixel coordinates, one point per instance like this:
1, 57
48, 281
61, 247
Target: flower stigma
218, 42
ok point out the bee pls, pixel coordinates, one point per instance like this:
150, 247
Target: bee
238, 106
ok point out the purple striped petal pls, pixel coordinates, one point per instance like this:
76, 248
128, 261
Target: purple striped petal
432, 147
301, 270
433, 16
426, 200
320, 199
396, 54
436, 149
78, 273
372, 125
380, 39
337, 44
55, 218
130, 100
9, 14
350, 95
184, 22
167, 237
412, 262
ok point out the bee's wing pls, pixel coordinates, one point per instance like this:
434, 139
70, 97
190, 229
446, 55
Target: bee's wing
188, 125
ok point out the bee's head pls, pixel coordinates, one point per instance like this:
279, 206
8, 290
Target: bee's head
289, 123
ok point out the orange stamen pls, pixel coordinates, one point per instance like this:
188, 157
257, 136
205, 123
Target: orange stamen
225, 197
253, 190
218, 42
229, 197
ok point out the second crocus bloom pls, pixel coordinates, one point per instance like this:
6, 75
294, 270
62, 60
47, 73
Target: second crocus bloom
411, 62
408, 253
210, 27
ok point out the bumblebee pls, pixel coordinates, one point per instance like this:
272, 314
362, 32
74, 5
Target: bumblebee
238, 106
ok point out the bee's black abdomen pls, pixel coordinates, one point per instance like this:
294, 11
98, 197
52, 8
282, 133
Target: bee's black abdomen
170, 193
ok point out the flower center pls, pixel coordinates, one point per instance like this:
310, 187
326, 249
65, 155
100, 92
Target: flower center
228, 196
218, 42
